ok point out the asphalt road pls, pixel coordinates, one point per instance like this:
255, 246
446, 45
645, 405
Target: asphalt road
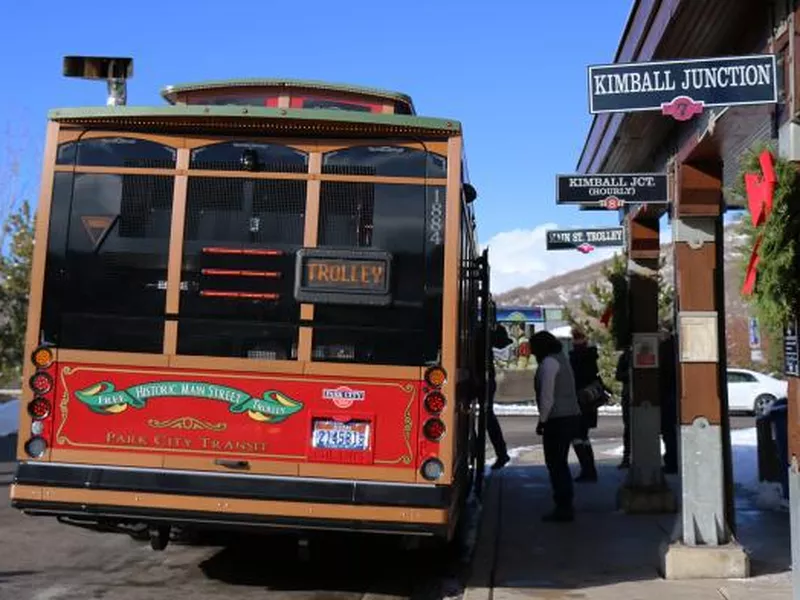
521, 430
41, 559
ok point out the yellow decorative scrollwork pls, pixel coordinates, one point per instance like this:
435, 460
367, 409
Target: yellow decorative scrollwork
189, 423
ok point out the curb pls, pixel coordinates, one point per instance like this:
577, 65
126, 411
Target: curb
479, 585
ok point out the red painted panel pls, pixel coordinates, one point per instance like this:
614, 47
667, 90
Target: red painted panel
226, 414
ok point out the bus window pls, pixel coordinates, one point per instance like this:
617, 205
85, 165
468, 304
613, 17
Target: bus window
106, 271
233, 156
395, 218
222, 312
388, 161
116, 152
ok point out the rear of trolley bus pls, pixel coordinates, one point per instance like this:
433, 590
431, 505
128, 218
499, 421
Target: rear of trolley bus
249, 308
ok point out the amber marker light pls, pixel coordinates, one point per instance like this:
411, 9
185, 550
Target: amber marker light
435, 377
42, 357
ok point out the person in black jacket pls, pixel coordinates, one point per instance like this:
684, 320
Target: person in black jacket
583, 359
623, 375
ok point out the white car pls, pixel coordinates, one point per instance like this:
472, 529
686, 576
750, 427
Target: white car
751, 391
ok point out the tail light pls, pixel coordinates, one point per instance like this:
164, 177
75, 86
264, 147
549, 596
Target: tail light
40, 408
435, 376
433, 429
432, 469
41, 382
42, 357
36, 446
435, 402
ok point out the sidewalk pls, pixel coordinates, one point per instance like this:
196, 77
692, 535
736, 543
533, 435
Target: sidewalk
604, 554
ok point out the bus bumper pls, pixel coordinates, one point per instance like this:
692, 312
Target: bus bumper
117, 495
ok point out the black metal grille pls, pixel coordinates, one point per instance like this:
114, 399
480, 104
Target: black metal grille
257, 211
146, 207
246, 156
346, 214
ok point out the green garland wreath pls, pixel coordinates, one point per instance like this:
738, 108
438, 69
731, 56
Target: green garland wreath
776, 298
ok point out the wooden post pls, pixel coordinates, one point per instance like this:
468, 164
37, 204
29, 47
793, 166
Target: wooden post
704, 523
645, 489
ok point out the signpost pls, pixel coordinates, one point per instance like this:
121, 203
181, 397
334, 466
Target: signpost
585, 240
683, 88
611, 191
791, 365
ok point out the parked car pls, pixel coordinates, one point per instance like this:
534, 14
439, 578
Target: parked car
752, 392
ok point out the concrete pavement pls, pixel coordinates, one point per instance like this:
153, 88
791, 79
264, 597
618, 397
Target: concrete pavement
604, 554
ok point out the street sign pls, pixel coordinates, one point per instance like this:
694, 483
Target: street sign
791, 365
755, 334
585, 240
683, 88
611, 190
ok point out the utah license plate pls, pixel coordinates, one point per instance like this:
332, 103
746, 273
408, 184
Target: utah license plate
333, 435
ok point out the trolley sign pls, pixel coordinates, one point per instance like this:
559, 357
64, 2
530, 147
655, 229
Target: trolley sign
611, 191
585, 240
683, 88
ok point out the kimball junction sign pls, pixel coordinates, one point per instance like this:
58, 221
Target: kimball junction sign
611, 191
682, 88
585, 240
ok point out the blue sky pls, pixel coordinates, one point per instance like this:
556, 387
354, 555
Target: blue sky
512, 71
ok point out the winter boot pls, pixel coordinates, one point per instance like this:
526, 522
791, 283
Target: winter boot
586, 459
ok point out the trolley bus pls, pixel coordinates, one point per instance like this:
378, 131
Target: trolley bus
257, 305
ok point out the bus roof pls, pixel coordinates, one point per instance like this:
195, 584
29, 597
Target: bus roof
183, 118
170, 92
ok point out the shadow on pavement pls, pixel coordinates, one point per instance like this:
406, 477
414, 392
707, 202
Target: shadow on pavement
334, 563
603, 546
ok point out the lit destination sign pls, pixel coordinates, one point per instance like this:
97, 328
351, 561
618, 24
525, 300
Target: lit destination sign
343, 276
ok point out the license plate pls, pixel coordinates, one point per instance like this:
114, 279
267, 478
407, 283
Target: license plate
333, 435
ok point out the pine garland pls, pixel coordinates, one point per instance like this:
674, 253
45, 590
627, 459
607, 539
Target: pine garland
776, 298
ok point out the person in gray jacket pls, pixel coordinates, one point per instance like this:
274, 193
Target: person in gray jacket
559, 418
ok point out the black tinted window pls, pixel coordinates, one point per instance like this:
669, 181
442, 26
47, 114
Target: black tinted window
116, 152
238, 267
389, 161
107, 262
406, 221
247, 156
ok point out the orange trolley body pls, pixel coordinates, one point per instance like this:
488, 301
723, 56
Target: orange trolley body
254, 306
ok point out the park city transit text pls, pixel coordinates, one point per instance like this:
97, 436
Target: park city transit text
173, 442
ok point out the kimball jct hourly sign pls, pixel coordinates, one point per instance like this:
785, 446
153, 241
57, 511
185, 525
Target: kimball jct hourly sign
585, 240
677, 84
622, 188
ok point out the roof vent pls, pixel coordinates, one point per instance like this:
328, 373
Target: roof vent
115, 70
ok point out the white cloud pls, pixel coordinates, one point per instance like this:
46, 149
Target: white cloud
519, 258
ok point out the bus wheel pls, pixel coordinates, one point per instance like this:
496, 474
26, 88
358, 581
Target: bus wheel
159, 537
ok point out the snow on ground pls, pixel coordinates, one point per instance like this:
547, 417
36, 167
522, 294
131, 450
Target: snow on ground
9, 417
504, 410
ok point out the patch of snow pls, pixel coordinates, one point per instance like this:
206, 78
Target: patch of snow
9, 417
505, 410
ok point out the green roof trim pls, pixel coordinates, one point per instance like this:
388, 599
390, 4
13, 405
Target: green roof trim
254, 113
169, 92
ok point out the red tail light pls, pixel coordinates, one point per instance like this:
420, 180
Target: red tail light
39, 408
435, 402
41, 383
433, 429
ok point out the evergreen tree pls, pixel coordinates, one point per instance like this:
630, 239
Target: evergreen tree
15, 271
603, 315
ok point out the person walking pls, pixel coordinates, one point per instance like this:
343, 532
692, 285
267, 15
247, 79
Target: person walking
559, 419
623, 375
500, 339
583, 360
